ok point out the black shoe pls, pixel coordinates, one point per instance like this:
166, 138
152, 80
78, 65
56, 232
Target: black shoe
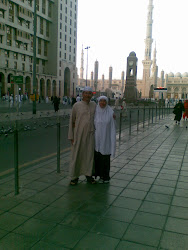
90, 179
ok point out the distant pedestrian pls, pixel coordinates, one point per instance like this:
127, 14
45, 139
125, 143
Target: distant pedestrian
56, 103
105, 139
178, 109
185, 115
81, 134
78, 98
73, 101
116, 103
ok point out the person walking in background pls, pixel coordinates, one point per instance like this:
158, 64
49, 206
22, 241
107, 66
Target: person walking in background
117, 103
56, 102
105, 139
81, 134
178, 109
185, 115
73, 101
78, 99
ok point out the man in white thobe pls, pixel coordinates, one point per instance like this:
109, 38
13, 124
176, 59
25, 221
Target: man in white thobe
81, 134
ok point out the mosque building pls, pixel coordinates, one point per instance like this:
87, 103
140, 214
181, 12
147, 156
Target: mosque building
176, 84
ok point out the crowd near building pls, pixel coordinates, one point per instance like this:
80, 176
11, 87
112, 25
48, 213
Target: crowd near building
56, 46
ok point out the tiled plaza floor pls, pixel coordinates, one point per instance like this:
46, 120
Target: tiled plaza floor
145, 205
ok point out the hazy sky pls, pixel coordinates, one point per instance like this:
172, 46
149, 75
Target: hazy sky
115, 28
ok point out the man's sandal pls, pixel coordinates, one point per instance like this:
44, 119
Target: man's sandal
74, 182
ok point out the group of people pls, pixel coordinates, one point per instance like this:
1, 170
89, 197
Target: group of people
178, 110
92, 134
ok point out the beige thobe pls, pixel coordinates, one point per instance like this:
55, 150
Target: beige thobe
81, 130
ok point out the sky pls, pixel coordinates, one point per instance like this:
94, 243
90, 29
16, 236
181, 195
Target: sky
113, 29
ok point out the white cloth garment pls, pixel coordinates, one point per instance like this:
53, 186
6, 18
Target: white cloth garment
105, 130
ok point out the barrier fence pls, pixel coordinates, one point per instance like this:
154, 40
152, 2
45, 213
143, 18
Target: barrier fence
131, 119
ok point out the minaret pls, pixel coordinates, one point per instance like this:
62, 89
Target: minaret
155, 68
147, 62
103, 82
110, 77
91, 85
122, 81
82, 64
96, 71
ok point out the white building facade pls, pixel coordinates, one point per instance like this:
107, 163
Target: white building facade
56, 46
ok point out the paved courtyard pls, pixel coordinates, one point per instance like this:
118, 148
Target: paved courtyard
145, 205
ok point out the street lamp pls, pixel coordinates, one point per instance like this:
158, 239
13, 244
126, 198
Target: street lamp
34, 56
87, 63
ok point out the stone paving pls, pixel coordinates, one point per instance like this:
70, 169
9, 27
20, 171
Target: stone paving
145, 205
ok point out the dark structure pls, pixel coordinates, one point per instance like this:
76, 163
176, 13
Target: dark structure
131, 77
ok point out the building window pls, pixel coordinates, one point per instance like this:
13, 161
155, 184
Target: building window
9, 42
69, 48
37, 5
60, 16
27, 24
61, 26
65, 10
65, 28
61, 6
70, 40
49, 9
6, 63
23, 58
65, 56
70, 12
70, 22
15, 55
23, 66
43, 6
65, 37
66, 19
15, 65
70, 31
59, 72
60, 35
17, 44
39, 46
60, 54
65, 47
2, 14
69, 57
1, 39
45, 48
47, 29
25, 46
71, 4
41, 26
60, 45
60, 64
31, 67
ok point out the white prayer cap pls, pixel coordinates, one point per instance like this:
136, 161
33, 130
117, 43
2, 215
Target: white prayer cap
87, 88
103, 98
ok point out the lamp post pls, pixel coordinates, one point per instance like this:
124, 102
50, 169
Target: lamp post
87, 63
34, 56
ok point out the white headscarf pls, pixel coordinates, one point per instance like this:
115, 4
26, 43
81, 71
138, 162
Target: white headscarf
105, 131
